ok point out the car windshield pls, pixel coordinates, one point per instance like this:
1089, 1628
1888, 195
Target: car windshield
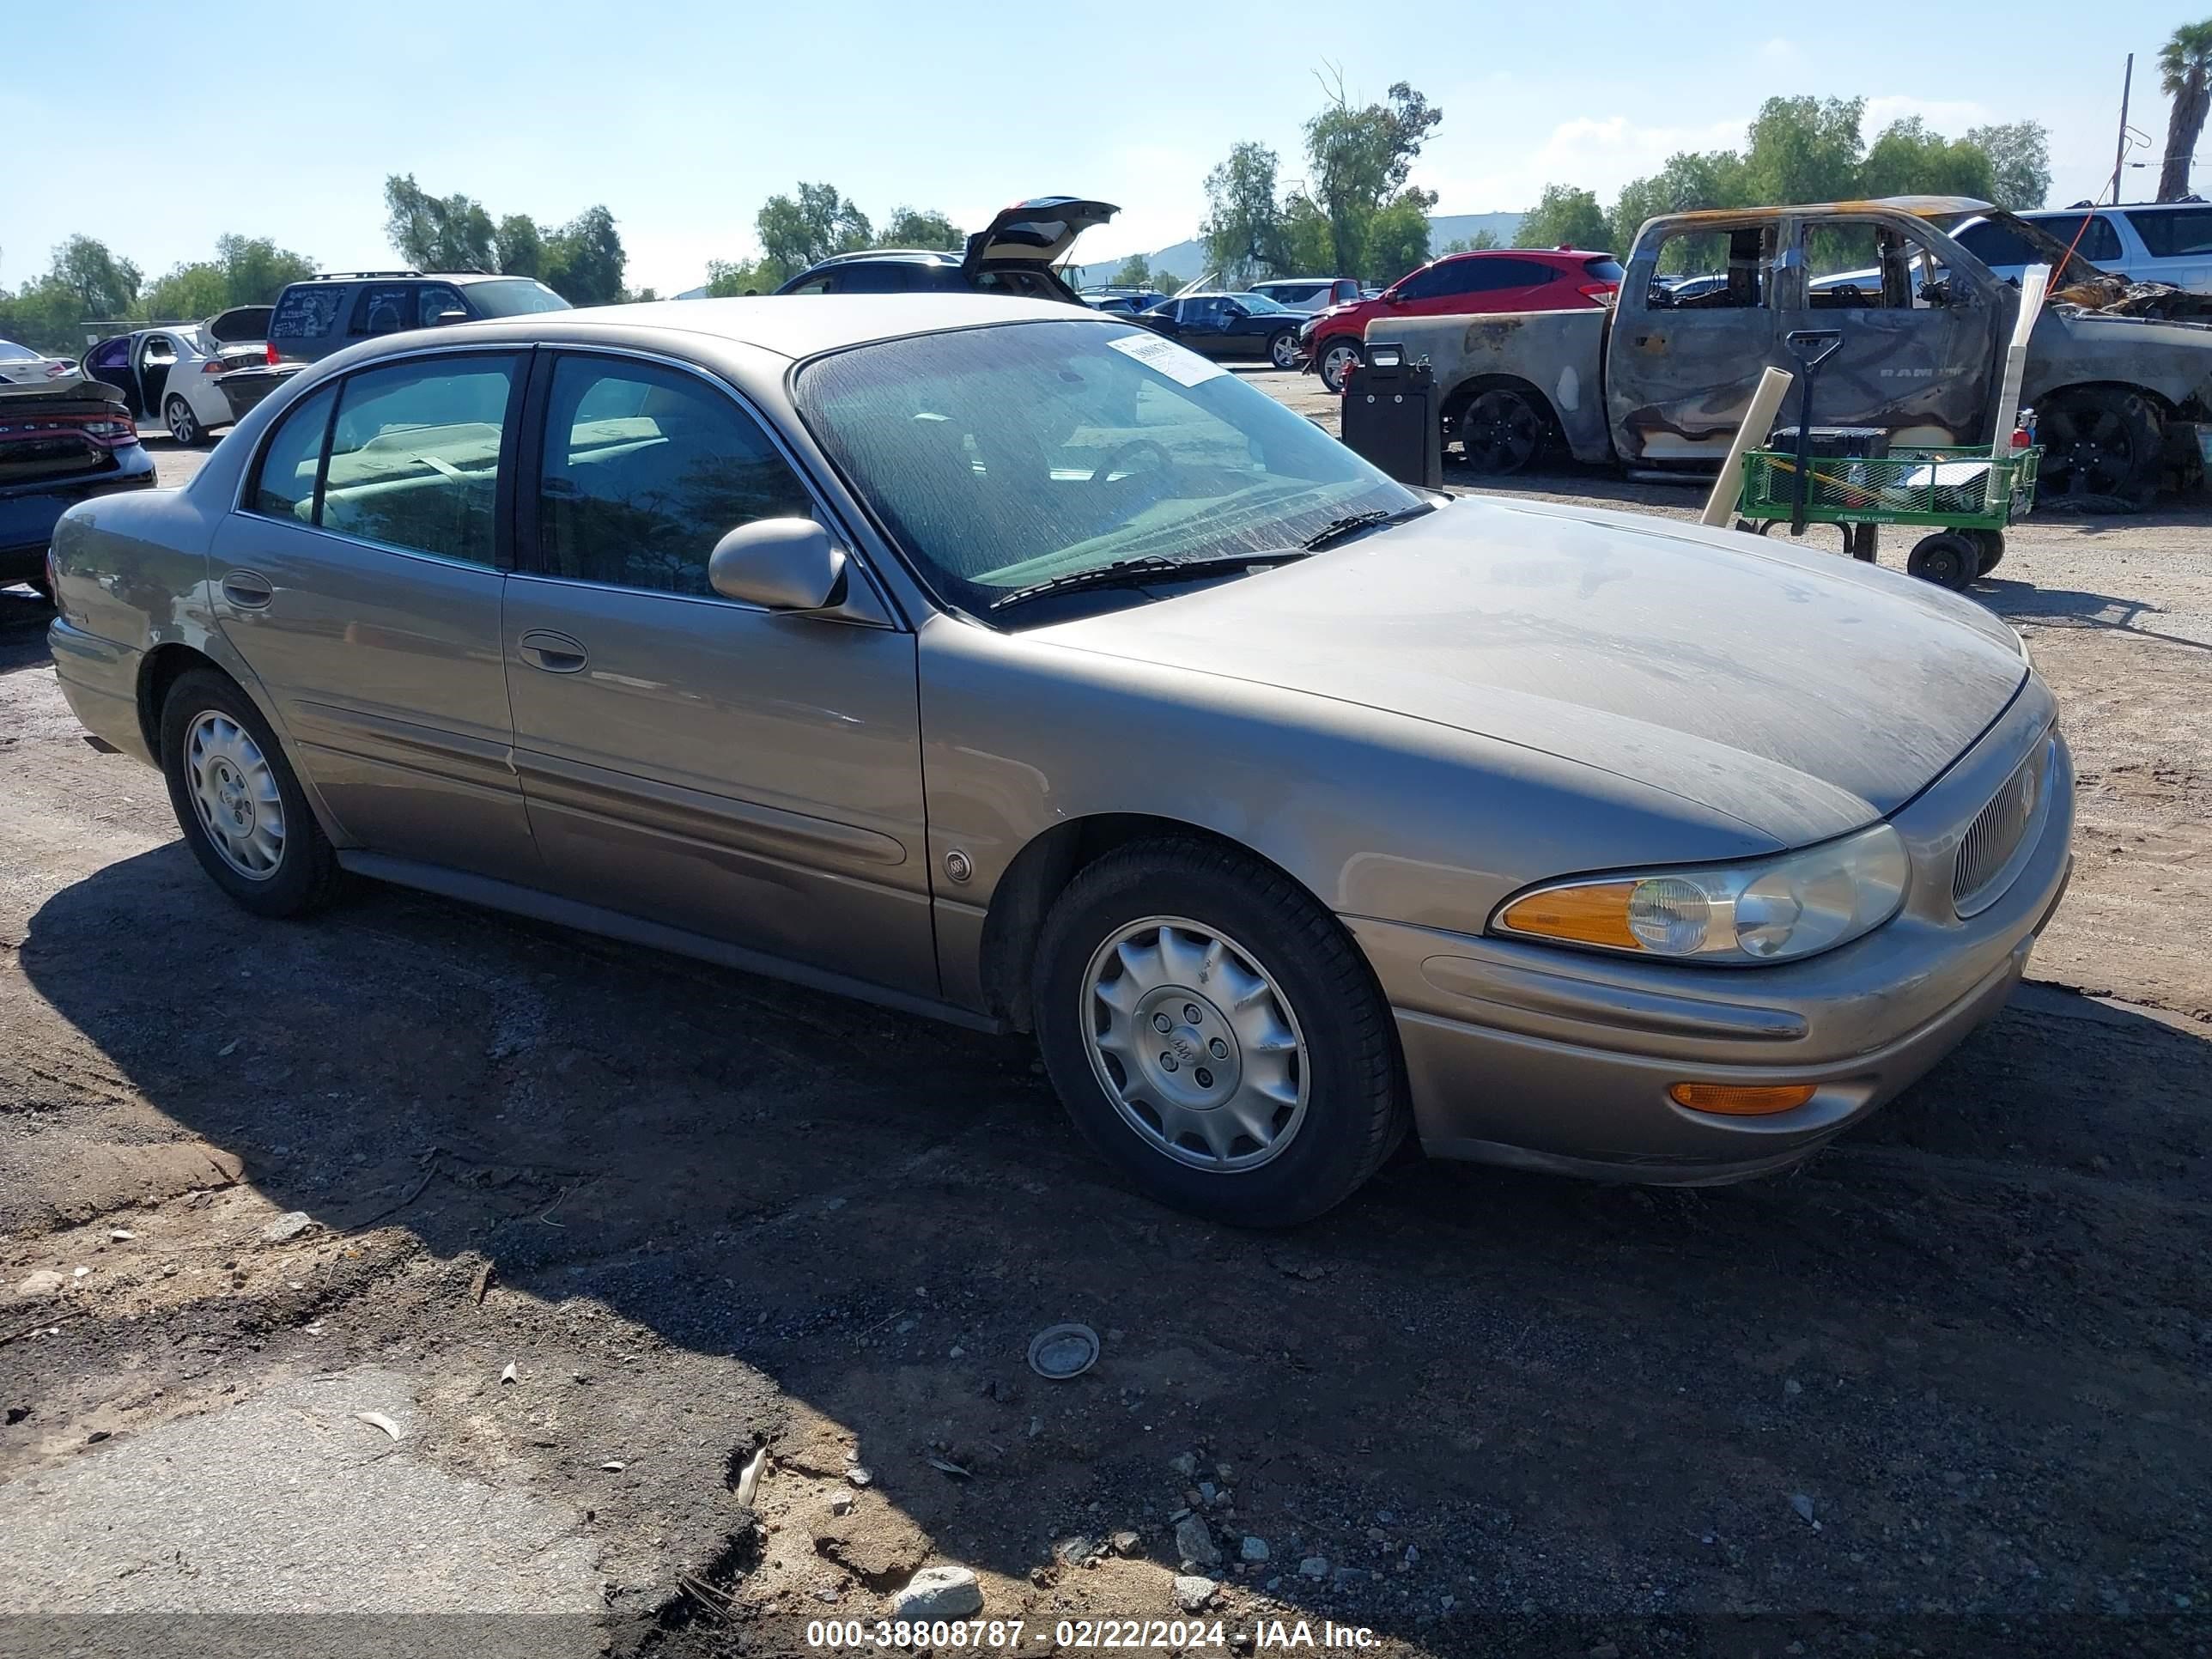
1003, 457
511, 297
1259, 304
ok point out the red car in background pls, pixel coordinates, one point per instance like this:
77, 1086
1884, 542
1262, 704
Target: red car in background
1488, 279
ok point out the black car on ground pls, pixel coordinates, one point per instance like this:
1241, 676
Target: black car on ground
1231, 325
1013, 254
59, 446
325, 314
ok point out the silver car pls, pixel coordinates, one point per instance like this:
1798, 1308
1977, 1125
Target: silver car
1022, 668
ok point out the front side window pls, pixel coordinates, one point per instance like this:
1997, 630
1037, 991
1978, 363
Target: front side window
645, 470
1002, 457
414, 455
284, 487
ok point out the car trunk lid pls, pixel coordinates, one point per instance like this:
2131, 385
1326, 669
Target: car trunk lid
53, 436
1039, 231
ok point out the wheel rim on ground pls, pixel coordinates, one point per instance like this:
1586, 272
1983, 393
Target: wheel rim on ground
2089, 450
234, 793
1337, 362
181, 425
1285, 351
1499, 431
1195, 1044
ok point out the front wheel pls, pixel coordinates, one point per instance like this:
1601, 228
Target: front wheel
1215, 1034
184, 425
1283, 349
237, 801
2102, 445
1338, 359
1949, 559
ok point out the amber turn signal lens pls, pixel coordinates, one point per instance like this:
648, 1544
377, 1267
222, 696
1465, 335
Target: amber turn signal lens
1741, 1100
1584, 916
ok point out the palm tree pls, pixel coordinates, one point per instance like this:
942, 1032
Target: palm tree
2185, 66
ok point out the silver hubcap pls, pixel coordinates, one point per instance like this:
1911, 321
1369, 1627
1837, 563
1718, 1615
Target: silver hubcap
1195, 1044
180, 423
235, 793
1338, 364
1286, 351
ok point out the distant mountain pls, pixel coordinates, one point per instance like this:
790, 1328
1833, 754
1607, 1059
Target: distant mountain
1188, 259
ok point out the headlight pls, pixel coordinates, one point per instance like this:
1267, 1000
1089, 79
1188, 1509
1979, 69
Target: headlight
1772, 911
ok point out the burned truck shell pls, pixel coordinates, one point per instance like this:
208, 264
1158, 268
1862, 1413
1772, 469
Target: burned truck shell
1659, 380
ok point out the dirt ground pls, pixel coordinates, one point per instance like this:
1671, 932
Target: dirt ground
1943, 1390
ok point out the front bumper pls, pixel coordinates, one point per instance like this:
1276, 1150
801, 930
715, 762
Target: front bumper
1545, 1058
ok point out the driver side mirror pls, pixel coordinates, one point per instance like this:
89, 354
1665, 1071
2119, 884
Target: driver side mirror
779, 564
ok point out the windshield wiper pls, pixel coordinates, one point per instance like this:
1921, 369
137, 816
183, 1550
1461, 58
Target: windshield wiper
1337, 529
1135, 572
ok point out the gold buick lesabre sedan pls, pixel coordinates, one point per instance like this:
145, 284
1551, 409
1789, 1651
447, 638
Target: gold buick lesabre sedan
1020, 667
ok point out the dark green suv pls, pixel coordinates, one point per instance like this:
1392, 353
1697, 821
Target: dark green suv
320, 316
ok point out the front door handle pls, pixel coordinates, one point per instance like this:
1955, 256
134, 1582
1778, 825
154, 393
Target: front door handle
556, 653
247, 590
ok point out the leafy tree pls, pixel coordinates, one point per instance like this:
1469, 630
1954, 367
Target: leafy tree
437, 232
1135, 271
105, 286
802, 231
1167, 282
2184, 70
912, 228
1398, 236
2020, 162
1243, 227
1564, 218
1911, 158
584, 260
726, 279
518, 246
1308, 245
1358, 161
1475, 244
1804, 149
186, 294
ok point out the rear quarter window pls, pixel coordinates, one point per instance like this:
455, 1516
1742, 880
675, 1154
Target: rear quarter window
2172, 234
307, 314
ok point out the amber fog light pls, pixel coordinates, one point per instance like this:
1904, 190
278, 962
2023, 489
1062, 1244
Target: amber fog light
1741, 1100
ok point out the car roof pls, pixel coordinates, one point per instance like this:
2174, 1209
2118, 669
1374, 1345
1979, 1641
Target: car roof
794, 325
900, 255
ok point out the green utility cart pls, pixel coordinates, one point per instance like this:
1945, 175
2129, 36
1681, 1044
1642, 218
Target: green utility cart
1970, 494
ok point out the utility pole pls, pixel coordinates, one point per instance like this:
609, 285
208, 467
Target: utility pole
2120, 150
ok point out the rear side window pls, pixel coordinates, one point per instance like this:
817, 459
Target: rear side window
383, 309
413, 459
644, 471
432, 301
2171, 234
886, 278
1604, 270
284, 487
308, 311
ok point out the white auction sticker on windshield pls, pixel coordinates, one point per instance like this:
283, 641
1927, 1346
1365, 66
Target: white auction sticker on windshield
1183, 367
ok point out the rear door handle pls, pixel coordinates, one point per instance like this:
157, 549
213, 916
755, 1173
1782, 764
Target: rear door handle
556, 653
247, 590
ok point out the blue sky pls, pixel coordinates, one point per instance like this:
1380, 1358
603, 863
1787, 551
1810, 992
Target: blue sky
163, 126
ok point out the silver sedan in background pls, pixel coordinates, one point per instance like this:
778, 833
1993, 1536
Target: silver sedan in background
1026, 669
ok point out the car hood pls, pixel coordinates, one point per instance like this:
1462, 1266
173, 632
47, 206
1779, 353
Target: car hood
1799, 693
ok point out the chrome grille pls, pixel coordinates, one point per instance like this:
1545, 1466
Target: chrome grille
1985, 852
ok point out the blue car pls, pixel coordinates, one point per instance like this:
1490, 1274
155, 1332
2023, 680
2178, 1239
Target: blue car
59, 445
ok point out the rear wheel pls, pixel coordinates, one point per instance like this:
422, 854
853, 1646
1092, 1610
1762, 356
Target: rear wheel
1215, 1034
184, 425
237, 801
1337, 360
1283, 348
1991, 543
2100, 442
1500, 431
1947, 558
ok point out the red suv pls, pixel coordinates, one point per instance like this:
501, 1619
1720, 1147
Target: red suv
1489, 279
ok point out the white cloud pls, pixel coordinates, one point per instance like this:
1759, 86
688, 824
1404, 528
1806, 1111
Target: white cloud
1599, 155
1950, 116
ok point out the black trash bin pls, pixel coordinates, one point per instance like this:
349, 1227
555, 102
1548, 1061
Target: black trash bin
1390, 415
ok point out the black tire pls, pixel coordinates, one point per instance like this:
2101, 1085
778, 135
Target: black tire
1340, 354
2100, 443
1283, 349
1500, 431
1992, 545
183, 425
305, 874
1949, 559
1354, 1100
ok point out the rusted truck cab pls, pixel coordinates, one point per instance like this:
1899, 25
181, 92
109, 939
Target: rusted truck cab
1710, 298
